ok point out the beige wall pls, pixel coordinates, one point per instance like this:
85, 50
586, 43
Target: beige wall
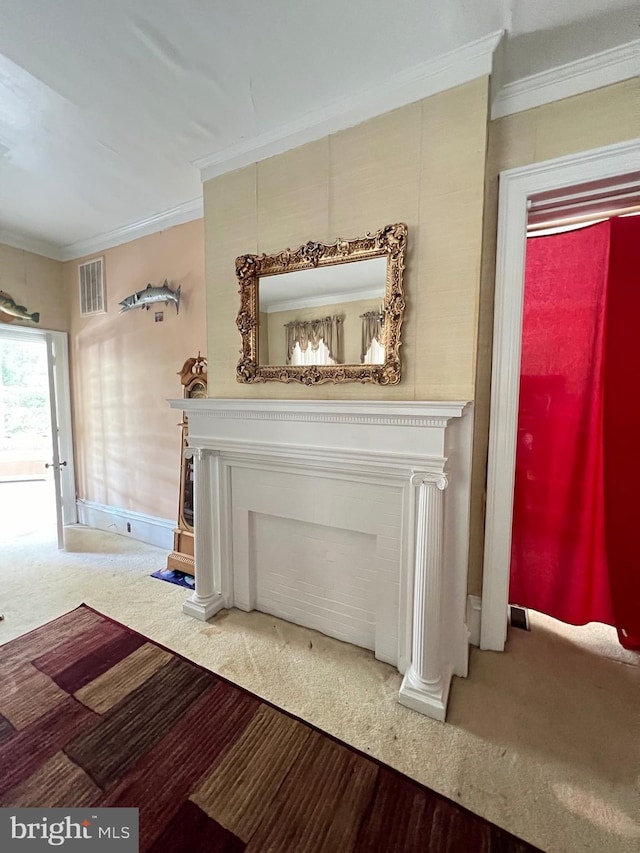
351, 327
598, 118
423, 165
37, 283
124, 367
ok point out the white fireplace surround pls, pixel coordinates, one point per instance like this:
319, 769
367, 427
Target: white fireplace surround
348, 517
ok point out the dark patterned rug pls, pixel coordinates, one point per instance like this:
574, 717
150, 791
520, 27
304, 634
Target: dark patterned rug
94, 714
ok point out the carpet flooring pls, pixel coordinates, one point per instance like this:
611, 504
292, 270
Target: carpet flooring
95, 714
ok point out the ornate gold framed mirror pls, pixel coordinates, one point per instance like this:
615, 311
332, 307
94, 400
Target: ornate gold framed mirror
324, 312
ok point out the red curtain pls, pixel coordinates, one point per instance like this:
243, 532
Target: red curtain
622, 428
576, 524
558, 557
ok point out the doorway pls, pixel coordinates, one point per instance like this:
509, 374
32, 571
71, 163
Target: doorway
576, 176
37, 483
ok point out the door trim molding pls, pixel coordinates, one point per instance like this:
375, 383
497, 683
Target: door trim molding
517, 187
65, 425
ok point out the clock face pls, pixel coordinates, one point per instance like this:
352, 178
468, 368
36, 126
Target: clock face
198, 391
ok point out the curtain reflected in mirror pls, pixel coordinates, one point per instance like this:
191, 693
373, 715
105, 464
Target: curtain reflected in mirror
372, 349
314, 341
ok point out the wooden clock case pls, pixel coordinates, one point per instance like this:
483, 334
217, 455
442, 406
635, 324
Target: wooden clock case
193, 377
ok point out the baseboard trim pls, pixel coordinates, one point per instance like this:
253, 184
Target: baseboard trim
474, 615
126, 522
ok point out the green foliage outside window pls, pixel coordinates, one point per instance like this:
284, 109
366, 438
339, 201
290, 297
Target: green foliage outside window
24, 395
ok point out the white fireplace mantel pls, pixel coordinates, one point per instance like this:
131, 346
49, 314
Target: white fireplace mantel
348, 517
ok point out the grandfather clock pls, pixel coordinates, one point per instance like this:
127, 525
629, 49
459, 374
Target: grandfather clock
193, 377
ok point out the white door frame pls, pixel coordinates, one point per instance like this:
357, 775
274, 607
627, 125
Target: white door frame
517, 187
57, 345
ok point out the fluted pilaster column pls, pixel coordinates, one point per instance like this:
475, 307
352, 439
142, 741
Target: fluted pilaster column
206, 599
425, 686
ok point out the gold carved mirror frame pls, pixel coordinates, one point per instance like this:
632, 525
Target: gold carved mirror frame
390, 241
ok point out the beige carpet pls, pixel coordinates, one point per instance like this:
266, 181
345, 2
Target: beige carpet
542, 740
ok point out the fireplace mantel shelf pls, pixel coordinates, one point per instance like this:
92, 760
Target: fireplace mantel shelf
409, 413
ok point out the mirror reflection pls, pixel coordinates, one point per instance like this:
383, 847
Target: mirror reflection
324, 312
323, 315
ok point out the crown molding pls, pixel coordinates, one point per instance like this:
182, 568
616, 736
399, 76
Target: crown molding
574, 78
451, 69
185, 212
30, 244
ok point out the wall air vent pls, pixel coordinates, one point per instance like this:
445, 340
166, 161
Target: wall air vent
91, 279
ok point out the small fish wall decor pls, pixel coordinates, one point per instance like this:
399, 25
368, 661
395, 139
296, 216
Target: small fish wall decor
9, 306
150, 295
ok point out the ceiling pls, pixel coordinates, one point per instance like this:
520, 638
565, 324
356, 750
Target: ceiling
106, 106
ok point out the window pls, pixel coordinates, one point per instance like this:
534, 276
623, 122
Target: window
372, 351
314, 341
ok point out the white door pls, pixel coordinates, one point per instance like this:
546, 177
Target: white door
61, 456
